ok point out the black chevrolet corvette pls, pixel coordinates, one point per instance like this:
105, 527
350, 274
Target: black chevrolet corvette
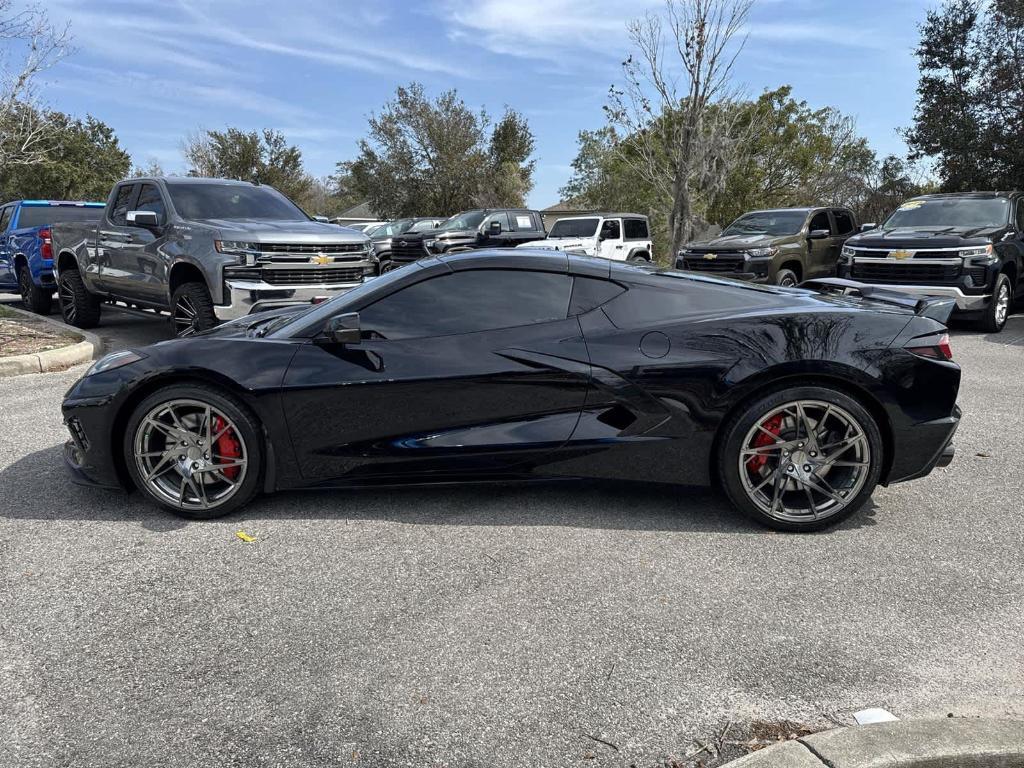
498, 366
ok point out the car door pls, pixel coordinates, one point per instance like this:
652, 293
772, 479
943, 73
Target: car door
843, 226
7, 276
114, 235
526, 227
141, 268
492, 237
479, 370
610, 244
819, 252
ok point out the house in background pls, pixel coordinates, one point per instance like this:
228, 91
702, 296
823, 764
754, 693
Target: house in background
562, 210
357, 214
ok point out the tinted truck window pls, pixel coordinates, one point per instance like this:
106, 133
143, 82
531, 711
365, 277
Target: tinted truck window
465, 302
39, 215
636, 229
232, 201
121, 203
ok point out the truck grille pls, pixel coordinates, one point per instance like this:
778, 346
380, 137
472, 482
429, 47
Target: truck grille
321, 276
404, 251
311, 249
723, 262
905, 272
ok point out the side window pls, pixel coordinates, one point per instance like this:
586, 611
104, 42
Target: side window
150, 200
820, 221
636, 229
590, 292
611, 229
524, 221
501, 217
121, 202
1020, 216
5, 217
844, 221
466, 302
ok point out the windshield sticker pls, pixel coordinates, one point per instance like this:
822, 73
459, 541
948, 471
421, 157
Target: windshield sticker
524, 222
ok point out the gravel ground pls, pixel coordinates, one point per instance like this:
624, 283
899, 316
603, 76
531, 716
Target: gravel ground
494, 626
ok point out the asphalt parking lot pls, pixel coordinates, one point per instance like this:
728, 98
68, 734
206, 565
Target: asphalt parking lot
514, 625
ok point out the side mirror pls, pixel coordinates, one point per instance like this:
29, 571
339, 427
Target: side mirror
143, 219
818, 234
866, 227
494, 229
344, 329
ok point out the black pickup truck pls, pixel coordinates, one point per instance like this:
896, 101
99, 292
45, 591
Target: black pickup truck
967, 245
483, 228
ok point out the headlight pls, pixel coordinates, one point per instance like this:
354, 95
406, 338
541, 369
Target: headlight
429, 243
848, 252
985, 250
762, 253
235, 246
114, 360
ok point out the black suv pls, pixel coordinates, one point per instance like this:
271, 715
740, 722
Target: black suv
967, 245
483, 228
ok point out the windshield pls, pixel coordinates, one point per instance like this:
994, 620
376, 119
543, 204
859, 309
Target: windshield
390, 229
232, 201
574, 228
767, 223
467, 220
38, 215
422, 226
968, 212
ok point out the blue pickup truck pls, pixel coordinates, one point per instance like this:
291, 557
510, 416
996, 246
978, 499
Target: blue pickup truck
26, 249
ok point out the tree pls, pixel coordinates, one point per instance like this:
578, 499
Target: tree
426, 156
676, 111
262, 157
83, 163
889, 183
29, 45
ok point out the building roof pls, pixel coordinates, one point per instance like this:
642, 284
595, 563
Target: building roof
361, 211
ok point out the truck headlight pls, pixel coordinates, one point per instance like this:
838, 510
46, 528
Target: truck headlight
848, 252
235, 246
982, 251
762, 253
428, 244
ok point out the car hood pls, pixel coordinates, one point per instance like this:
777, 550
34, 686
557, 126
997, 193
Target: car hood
733, 243
301, 232
926, 237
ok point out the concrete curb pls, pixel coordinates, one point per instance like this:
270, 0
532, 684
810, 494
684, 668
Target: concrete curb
83, 351
948, 743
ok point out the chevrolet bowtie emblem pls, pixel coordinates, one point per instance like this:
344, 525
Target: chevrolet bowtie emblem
901, 254
320, 259
710, 256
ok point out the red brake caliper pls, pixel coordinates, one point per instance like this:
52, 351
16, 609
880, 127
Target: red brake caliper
227, 447
772, 425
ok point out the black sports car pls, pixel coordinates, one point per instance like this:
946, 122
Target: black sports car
499, 365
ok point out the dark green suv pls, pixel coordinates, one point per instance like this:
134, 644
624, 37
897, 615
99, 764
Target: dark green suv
783, 246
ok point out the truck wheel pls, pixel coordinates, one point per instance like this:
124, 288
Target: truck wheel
192, 310
33, 297
78, 307
999, 308
637, 259
786, 278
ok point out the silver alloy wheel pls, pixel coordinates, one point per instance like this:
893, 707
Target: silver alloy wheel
1003, 303
804, 461
185, 317
788, 282
67, 301
181, 454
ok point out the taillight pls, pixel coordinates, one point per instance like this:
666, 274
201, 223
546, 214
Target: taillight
46, 249
935, 347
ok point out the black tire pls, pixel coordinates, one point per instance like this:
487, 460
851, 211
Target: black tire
637, 259
997, 313
192, 310
384, 266
78, 306
33, 297
786, 278
736, 429
248, 426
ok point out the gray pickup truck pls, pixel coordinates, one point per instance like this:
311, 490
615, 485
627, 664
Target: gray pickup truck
204, 250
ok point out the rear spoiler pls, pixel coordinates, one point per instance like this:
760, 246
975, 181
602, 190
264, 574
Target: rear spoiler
935, 307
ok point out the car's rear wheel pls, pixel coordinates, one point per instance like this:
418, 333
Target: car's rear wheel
33, 297
998, 311
192, 310
194, 451
801, 459
637, 259
78, 307
786, 278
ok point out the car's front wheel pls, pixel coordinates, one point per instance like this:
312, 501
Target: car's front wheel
786, 278
194, 450
998, 311
800, 459
192, 310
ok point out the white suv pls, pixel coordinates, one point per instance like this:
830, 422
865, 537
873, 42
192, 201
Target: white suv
616, 236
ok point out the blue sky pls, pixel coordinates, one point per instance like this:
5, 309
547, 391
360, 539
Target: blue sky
315, 69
